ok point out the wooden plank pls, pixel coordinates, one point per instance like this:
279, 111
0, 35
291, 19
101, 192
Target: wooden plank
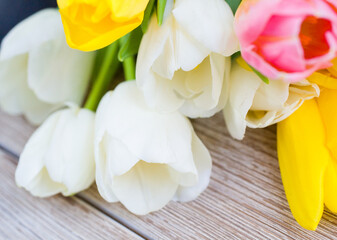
25, 217
245, 198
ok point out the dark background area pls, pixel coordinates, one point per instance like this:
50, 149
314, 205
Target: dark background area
14, 11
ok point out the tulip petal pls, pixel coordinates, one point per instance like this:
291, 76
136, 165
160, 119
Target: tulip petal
303, 158
35, 110
69, 158
65, 74
31, 32
151, 71
298, 93
220, 38
77, 147
212, 84
286, 55
145, 188
189, 53
118, 157
103, 176
29, 173
327, 99
174, 59
203, 162
59, 156
143, 156
86, 34
323, 79
43, 186
12, 79
243, 86
161, 138
271, 96
330, 186
121, 8
15, 95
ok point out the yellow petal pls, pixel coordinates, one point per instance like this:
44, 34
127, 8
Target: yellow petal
330, 187
126, 9
324, 79
333, 69
90, 24
327, 103
303, 158
243, 63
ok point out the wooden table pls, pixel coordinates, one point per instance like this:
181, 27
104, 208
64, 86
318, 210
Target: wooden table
245, 198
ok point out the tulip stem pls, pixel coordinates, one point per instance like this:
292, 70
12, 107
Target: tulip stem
129, 68
108, 69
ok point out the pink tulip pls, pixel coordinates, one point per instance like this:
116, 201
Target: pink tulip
287, 39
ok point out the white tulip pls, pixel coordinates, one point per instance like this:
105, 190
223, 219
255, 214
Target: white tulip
183, 64
59, 156
256, 104
145, 158
38, 70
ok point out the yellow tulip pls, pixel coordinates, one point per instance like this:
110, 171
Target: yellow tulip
93, 24
307, 152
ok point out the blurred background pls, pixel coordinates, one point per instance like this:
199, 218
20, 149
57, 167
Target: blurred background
14, 11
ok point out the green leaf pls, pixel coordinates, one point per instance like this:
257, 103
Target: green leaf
98, 63
235, 55
160, 11
129, 44
147, 15
234, 4
263, 77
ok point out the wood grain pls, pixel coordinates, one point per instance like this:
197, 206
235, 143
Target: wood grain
245, 199
25, 217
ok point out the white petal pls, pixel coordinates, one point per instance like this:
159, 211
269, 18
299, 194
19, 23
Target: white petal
78, 151
32, 158
145, 188
13, 75
118, 157
57, 73
152, 45
203, 162
70, 156
55, 162
15, 95
43, 186
260, 119
172, 68
150, 136
155, 61
188, 52
297, 94
31, 32
209, 22
35, 110
214, 88
243, 86
271, 96
103, 175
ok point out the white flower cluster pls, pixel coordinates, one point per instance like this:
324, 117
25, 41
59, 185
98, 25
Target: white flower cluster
139, 146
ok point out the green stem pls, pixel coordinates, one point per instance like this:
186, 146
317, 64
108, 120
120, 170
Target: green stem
129, 68
105, 74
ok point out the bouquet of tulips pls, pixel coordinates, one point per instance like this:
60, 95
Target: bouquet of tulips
260, 62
